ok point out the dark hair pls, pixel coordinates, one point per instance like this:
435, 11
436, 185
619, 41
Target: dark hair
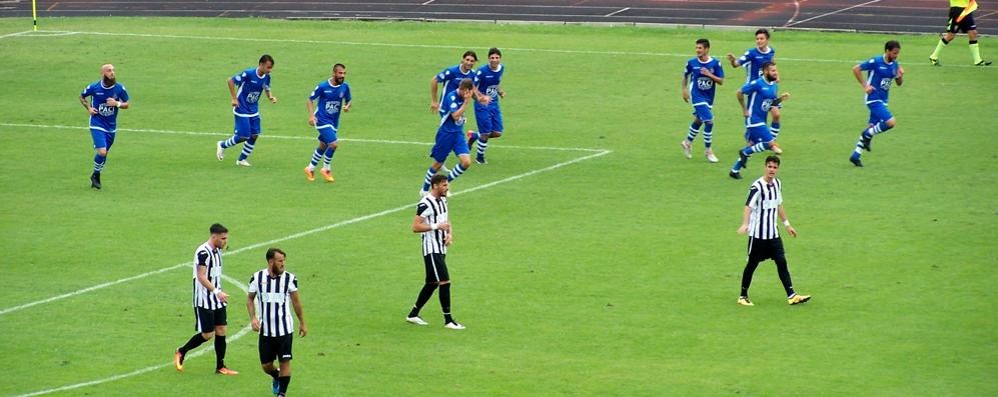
762, 31
470, 52
267, 58
495, 51
890, 45
766, 65
339, 65
217, 228
438, 179
272, 252
466, 84
773, 159
705, 42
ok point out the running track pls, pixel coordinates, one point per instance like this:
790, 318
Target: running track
910, 16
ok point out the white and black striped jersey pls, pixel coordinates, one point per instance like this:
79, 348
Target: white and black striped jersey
208, 256
764, 199
273, 296
433, 210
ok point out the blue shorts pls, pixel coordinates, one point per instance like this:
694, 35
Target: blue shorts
446, 143
247, 126
327, 133
758, 134
878, 112
488, 118
703, 112
102, 139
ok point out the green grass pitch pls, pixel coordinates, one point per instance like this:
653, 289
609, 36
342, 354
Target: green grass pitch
610, 270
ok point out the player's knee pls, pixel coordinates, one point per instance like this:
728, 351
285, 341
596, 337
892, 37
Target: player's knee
208, 335
495, 134
443, 282
465, 162
335, 145
102, 152
891, 123
710, 123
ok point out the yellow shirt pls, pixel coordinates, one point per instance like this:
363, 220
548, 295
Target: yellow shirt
959, 3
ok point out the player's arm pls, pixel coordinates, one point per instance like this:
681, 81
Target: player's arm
270, 96
419, 225
119, 103
745, 220
86, 105
311, 112
858, 72
786, 222
206, 283
782, 98
900, 76
251, 309
734, 61
434, 105
296, 303
232, 92
684, 88
741, 102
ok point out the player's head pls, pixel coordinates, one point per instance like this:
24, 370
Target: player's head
266, 64
439, 185
891, 50
468, 60
703, 47
275, 260
772, 165
495, 56
219, 235
762, 38
107, 74
768, 69
339, 73
465, 85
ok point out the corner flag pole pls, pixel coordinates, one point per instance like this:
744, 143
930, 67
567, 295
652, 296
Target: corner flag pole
34, 16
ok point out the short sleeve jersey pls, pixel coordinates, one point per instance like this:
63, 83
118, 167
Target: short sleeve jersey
760, 95
330, 102
452, 102
702, 87
752, 61
880, 75
249, 88
106, 118
452, 76
489, 80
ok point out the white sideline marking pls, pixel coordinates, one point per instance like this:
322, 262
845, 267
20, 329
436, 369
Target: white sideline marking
831, 13
14, 34
308, 138
197, 353
617, 12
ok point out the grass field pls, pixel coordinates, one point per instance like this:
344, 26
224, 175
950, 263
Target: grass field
608, 268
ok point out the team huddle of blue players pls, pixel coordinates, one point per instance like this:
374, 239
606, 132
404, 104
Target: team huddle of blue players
759, 98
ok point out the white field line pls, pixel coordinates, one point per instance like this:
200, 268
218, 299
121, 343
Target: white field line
831, 13
14, 34
295, 235
197, 353
49, 33
308, 138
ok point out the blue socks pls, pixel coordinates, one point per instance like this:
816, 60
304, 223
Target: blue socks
247, 149
430, 172
455, 172
775, 129
99, 163
708, 133
747, 152
316, 155
328, 157
694, 130
482, 145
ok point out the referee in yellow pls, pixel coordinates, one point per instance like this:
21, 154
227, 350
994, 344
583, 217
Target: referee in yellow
961, 19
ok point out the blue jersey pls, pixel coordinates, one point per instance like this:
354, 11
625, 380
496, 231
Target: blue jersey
752, 62
761, 94
452, 102
702, 87
331, 99
451, 78
249, 86
106, 118
880, 75
488, 82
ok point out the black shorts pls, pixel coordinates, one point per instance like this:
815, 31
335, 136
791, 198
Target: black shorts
275, 348
436, 268
205, 320
760, 250
966, 24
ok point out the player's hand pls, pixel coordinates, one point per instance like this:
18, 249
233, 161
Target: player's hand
731, 57
92, 110
255, 324
743, 229
784, 96
346, 108
222, 296
311, 120
449, 239
706, 72
235, 102
302, 329
434, 106
868, 88
502, 94
686, 96
445, 226
792, 231
484, 99
111, 102
273, 99
748, 113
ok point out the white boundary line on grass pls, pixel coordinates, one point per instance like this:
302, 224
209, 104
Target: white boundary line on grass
14, 34
599, 153
197, 353
309, 138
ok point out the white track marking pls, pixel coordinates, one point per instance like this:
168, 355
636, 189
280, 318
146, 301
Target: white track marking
617, 12
831, 13
796, 13
307, 138
428, 2
197, 353
12, 309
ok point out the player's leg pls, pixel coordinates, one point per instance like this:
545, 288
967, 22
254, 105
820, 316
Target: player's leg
439, 154
429, 286
775, 125
268, 348
100, 139
694, 129
707, 116
284, 358
460, 148
440, 266
327, 172
760, 140
250, 143
204, 324
240, 133
749, 271
317, 155
494, 131
221, 323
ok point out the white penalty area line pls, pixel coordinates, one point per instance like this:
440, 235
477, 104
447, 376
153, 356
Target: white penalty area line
14, 34
307, 138
242, 332
831, 13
